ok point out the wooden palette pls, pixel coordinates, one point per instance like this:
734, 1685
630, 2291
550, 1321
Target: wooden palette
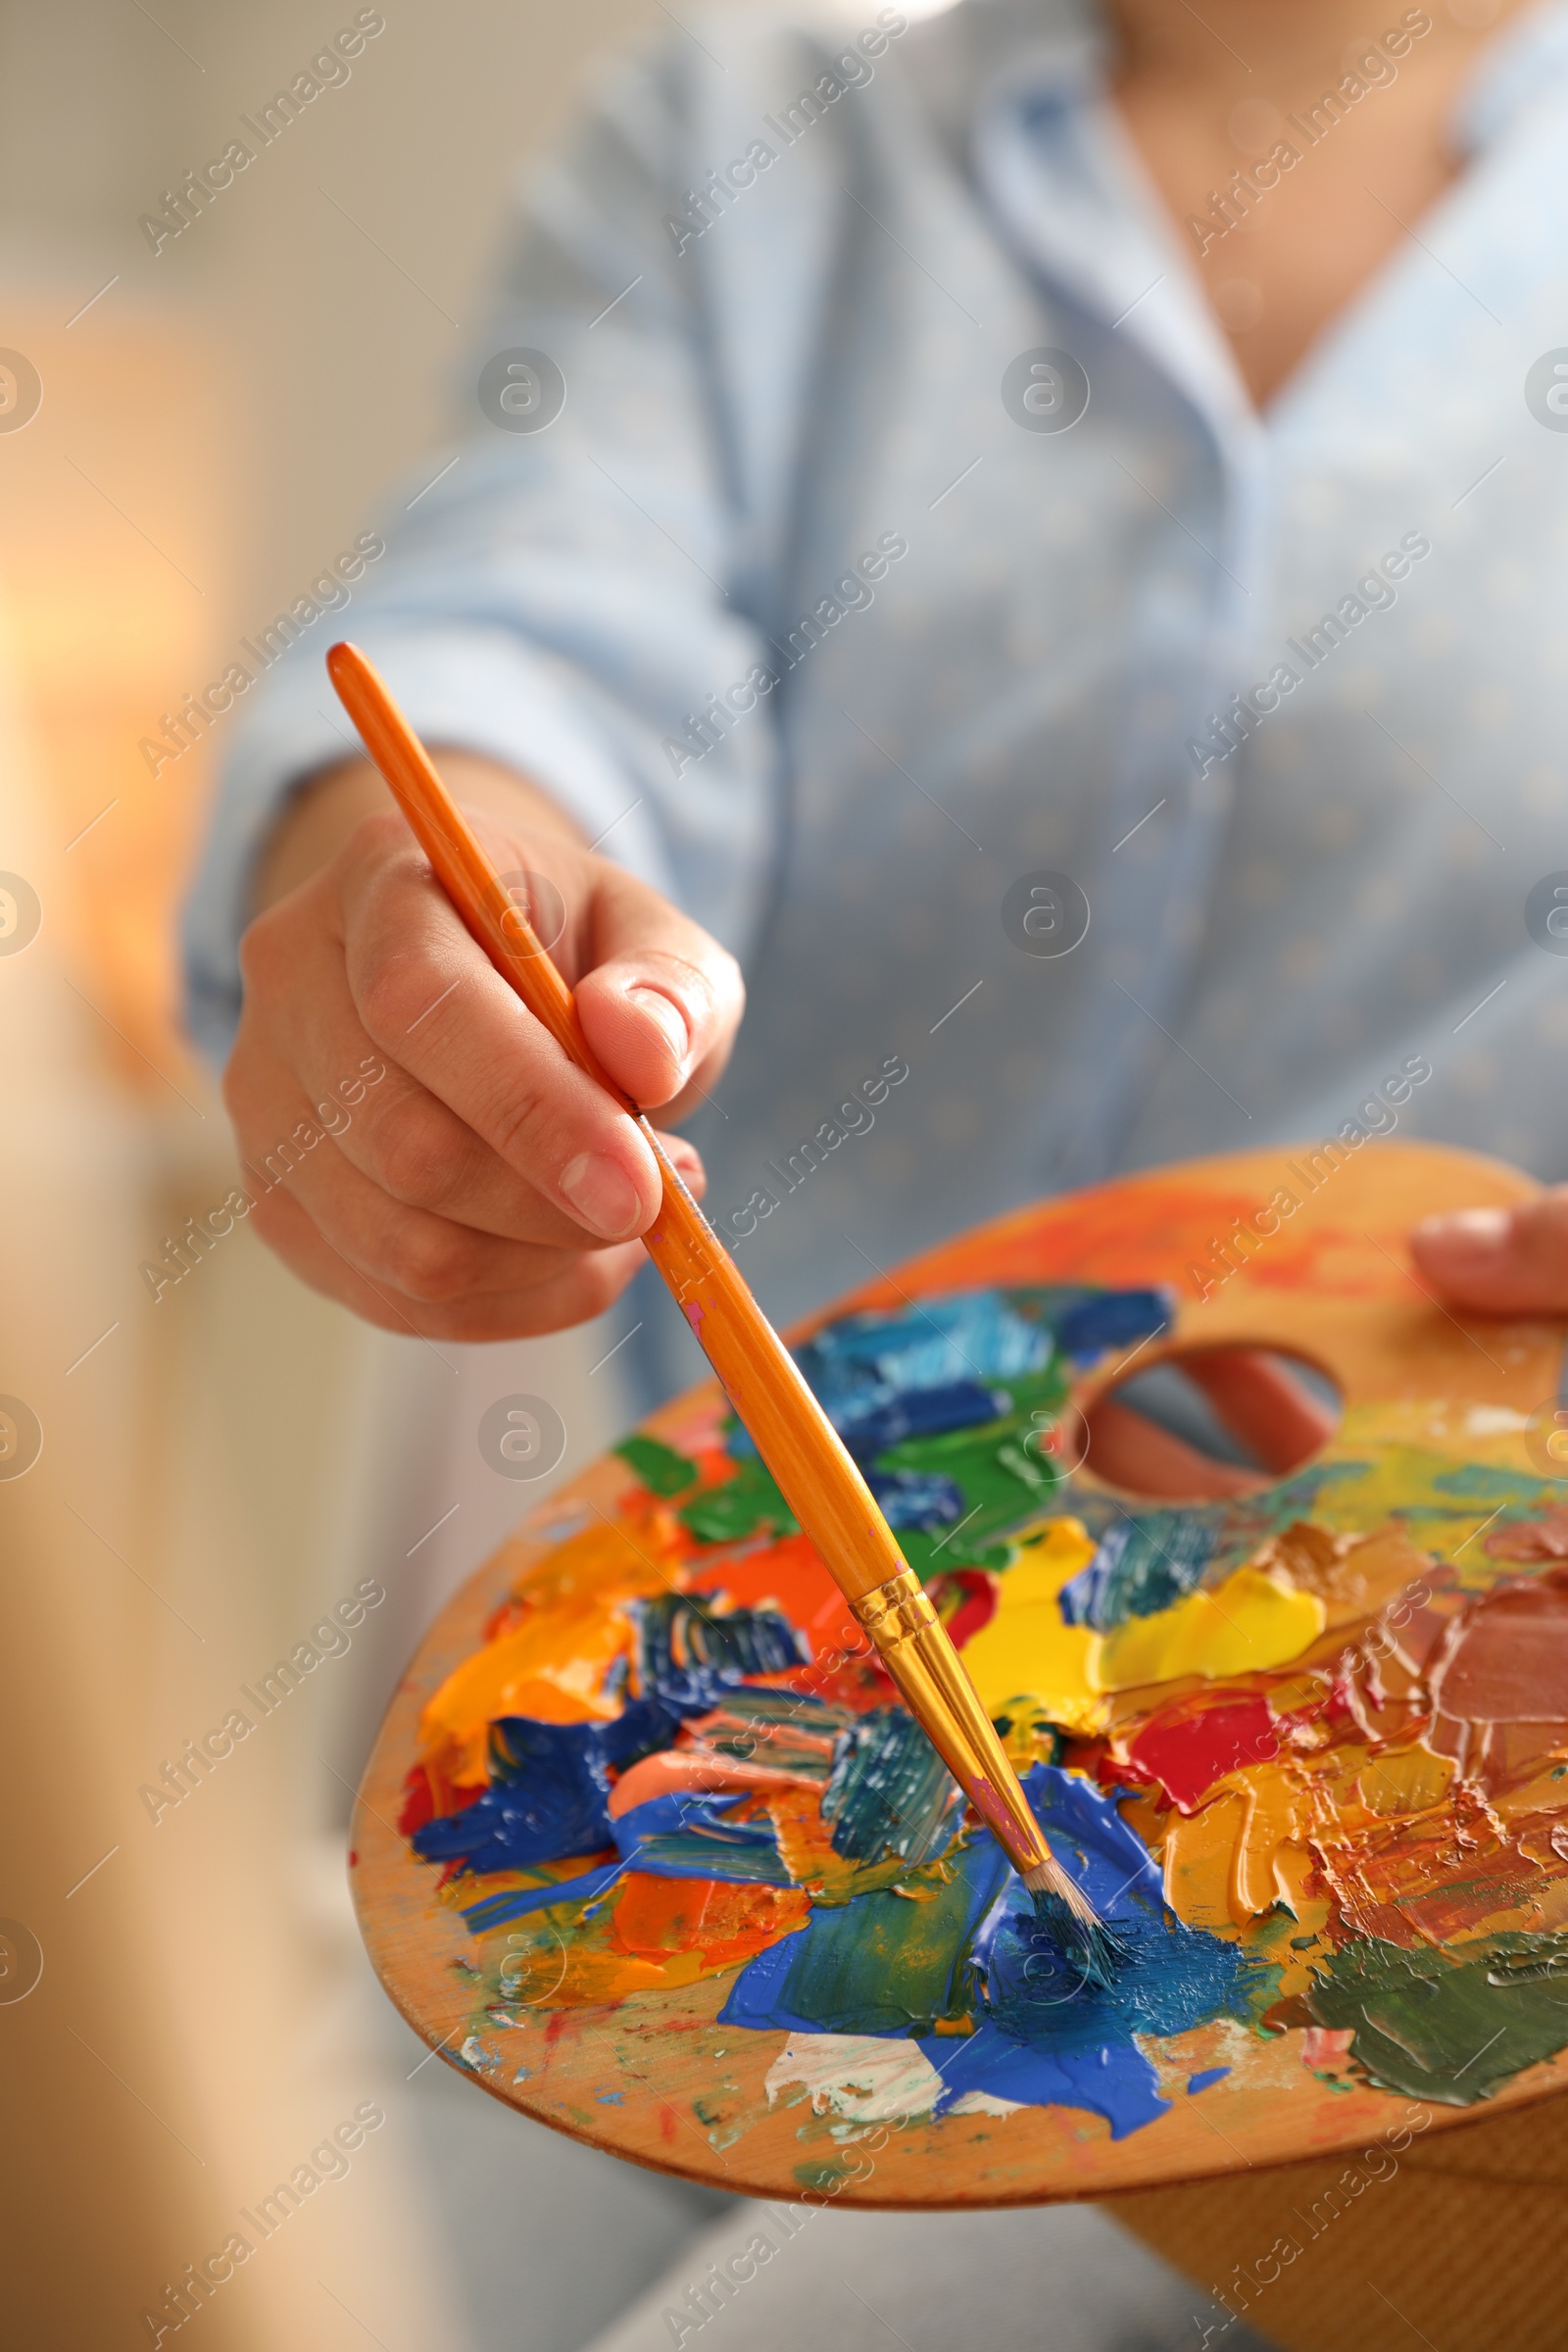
653, 2077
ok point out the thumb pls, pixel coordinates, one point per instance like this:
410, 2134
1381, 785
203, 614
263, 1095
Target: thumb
1500, 1261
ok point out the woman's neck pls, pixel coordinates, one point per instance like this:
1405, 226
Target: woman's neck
1281, 51
1294, 149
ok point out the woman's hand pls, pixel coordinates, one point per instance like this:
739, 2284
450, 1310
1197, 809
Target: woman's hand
481, 1186
1498, 1261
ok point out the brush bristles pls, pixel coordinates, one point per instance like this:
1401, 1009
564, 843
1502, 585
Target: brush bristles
1049, 1877
1066, 1913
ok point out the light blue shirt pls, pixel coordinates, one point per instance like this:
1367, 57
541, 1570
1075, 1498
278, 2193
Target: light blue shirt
991, 650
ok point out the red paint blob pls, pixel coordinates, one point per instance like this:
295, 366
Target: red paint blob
978, 1594
1188, 1750
418, 1802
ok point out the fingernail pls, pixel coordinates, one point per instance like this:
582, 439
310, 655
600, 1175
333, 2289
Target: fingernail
1476, 1231
602, 1195
671, 1020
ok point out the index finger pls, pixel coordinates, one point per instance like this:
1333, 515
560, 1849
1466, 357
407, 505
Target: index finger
429, 997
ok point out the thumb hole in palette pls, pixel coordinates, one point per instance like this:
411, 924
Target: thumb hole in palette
1205, 1423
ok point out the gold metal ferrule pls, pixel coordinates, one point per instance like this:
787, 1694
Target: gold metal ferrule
914, 1646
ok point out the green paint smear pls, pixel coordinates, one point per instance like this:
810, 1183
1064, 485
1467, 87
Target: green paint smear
1267, 1936
1482, 1482
824, 2174
928, 1555
889, 1965
744, 1503
660, 1468
1002, 1481
1435, 2030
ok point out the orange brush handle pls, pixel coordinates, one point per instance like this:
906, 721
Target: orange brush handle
761, 1379
793, 1435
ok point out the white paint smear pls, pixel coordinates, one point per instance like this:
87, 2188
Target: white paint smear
858, 2074
870, 2080
1494, 1421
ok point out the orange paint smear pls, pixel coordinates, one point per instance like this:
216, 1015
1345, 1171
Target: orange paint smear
1505, 1663
787, 1576
1136, 1232
720, 1921
554, 1661
691, 1433
662, 1934
683, 1770
1417, 1789
610, 1557
855, 1683
1543, 1539
1353, 1576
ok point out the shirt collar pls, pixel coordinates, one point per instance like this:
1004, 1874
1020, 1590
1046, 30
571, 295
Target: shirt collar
1067, 185
1523, 69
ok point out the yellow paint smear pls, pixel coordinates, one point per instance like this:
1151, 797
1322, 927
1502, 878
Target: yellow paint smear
1026, 1653
1257, 1619
1276, 1821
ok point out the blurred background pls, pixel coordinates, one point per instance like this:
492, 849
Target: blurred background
219, 421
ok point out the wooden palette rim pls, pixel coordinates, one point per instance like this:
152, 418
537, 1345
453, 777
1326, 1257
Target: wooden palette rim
1036, 2155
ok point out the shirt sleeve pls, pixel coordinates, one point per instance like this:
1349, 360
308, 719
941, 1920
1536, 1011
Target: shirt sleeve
566, 596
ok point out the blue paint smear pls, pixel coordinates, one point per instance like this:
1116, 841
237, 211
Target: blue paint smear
1113, 1319
921, 1499
760, 1999
689, 1649
921, 1413
1174, 1975
499, 1910
885, 1378
671, 1837
549, 1790
1205, 2081
1116, 2082
868, 1361
680, 1837
1044, 2038
1143, 1564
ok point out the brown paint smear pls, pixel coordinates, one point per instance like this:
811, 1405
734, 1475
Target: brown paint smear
1420, 1789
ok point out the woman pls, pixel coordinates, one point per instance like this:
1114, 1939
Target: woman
1037, 537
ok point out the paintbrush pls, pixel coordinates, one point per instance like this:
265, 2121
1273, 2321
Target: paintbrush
794, 1436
